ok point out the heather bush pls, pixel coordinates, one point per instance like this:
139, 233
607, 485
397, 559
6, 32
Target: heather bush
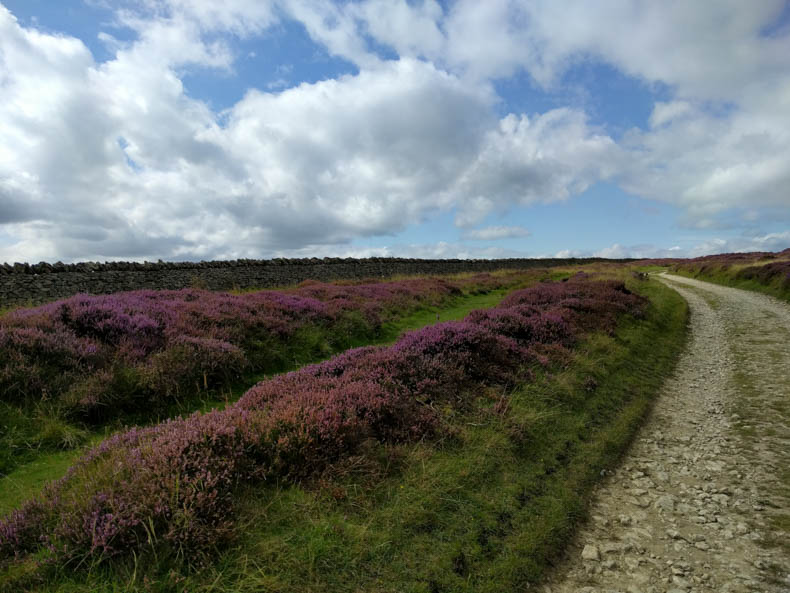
169, 488
33, 360
526, 324
188, 358
99, 355
190, 364
767, 273
21, 530
106, 392
485, 282
426, 366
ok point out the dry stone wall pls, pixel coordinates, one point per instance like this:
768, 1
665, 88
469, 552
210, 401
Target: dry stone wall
22, 284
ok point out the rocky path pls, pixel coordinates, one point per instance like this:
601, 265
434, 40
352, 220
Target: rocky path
702, 501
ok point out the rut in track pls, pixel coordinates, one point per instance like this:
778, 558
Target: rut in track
701, 502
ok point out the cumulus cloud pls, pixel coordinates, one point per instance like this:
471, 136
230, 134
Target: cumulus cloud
89, 146
766, 242
669, 111
495, 232
411, 29
711, 165
618, 251
239, 17
541, 159
368, 153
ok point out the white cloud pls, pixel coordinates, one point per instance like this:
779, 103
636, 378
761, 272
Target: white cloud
440, 250
240, 17
335, 27
718, 145
493, 233
721, 143
617, 251
412, 29
665, 112
91, 144
704, 49
493, 39
765, 242
541, 159
364, 154
569, 253
710, 165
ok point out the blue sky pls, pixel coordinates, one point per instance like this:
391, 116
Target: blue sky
191, 129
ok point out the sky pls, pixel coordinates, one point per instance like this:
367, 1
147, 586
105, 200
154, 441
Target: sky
199, 130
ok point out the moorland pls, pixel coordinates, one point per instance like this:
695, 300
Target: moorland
417, 434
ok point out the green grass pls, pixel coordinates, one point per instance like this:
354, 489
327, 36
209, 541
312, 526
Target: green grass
455, 312
24, 434
31, 477
486, 510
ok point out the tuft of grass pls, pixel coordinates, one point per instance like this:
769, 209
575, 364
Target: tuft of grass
486, 509
26, 434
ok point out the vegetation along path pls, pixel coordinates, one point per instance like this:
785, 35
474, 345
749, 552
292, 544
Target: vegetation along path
702, 501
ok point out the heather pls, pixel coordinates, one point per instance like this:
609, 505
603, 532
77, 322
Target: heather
169, 490
766, 272
94, 357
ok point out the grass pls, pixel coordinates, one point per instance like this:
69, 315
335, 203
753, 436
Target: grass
30, 478
24, 434
488, 509
456, 311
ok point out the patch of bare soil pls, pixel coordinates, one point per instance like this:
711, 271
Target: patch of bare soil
701, 502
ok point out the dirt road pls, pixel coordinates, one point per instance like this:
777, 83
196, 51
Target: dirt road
702, 501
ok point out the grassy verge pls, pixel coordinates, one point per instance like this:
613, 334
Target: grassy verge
729, 276
485, 510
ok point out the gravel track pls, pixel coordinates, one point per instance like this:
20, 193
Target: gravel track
701, 502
